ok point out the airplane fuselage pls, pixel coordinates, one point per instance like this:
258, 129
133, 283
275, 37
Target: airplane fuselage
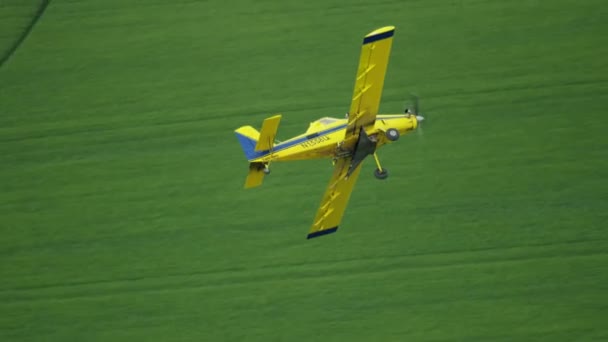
325, 138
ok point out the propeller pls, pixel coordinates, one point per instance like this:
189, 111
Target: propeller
416, 103
416, 110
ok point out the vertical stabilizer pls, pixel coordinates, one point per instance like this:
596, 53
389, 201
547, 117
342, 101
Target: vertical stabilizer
268, 133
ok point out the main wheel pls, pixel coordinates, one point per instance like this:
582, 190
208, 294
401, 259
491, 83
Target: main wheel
392, 134
381, 174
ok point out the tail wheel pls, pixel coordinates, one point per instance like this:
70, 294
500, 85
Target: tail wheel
392, 134
381, 174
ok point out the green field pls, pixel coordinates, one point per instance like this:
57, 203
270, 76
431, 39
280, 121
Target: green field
123, 216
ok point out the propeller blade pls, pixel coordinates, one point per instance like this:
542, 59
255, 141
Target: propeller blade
416, 105
415, 101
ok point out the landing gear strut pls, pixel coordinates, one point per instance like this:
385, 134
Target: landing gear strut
380, 173
266, 168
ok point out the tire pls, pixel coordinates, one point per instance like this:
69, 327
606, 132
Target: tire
392, 134
381, 174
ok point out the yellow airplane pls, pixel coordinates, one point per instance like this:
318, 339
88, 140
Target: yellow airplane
346, 141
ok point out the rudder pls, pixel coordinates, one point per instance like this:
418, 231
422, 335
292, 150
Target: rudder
268, 133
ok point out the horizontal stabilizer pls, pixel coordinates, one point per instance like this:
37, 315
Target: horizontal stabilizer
268, 133
256, 174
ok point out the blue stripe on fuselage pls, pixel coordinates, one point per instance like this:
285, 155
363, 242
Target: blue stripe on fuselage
291, 143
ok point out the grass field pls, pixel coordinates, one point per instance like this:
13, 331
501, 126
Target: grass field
123, 216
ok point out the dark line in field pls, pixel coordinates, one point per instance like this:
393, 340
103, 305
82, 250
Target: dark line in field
511, 88
26, 32
543, 332
101, 128
240, 280
264, 278
474, 250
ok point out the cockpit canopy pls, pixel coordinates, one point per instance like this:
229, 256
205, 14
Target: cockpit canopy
321, 124
327, 120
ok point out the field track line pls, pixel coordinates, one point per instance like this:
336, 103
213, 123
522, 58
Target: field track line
294, 272
26, 32
33, 134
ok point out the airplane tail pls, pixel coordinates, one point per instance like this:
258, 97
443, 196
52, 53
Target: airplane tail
255, 145
248, 137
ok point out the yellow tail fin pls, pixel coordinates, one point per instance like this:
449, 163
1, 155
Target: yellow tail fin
268, 133
256, 145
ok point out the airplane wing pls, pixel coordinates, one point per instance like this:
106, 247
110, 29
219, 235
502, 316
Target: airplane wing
370, 78
335, 199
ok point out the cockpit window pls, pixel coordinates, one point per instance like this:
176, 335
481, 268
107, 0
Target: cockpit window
327, 121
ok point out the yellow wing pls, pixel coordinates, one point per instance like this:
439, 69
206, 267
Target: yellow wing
335, 199
370, 78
